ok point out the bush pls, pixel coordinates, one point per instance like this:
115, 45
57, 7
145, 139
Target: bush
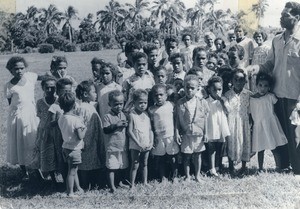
69, 47
46, 48
27, 50
92, 46
57, 40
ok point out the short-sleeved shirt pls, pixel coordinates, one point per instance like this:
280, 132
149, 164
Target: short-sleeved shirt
68, 125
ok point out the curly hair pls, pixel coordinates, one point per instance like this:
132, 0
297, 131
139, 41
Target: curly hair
13, 60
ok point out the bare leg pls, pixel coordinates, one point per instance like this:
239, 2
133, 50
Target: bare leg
145, 156
71, 179
186, 165
111, 179
135, 155
76, 181
277, 158
174, 165
260, 157
197, 164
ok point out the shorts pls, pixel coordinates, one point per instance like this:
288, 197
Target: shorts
192, 143
72, 157
116, 160
165, 146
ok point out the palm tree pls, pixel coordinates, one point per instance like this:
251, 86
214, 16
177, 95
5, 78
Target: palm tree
71, 13
216, 20
260, 8
136, 10
51, 18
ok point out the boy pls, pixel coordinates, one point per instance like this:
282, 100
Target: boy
152, 52
171, 46
178, 63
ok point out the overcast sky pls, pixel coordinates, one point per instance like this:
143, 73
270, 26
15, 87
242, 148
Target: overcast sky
84, 7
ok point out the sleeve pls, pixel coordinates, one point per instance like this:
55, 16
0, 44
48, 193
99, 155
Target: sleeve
7, 91
52, 109
269, 64
273, 98
106, 121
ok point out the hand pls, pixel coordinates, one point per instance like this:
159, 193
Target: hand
122, 124
178, 140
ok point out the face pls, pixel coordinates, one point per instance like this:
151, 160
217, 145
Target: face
18, 70
152, 57
200, 76
209, 41
140, 66
238, 81
187, 41
232, 37
263, 87
239, 33
259, 39
62, 69
160, 96
106, 75
221, 62
171, 48
157, 43
161, 77
91, 96
287, 20
233, 56
177, 65
96, 70
215, 90
191, 88
200, 59
64, 89
211, 63
141, 103
117, 104
49, 88
219, 45
123, 46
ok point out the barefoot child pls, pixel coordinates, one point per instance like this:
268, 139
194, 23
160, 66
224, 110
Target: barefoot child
73, 131
140, 135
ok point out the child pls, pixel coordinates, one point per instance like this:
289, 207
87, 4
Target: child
162, 118
107, 75
187, 50
121, 57
201, 93
220, 46
46, 146
236, 54
157, 43
152, 52
212, 62
239, 147
160, 76
140, 135
267, 132
231, 37
96, 65
222, 59
92, 155
191, 116
225, 72
178, 63
142, 79
171, 46
115, 142
73, 131
22, 121
217, 130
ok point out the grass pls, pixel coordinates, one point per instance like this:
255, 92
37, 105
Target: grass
266, 190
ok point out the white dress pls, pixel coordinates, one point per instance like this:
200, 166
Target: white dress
267, 132
22, 121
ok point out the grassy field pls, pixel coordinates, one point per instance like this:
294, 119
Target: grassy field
265, 190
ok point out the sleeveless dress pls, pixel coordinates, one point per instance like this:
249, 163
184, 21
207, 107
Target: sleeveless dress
22, 121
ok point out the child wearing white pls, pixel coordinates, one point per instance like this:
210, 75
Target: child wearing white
295, 120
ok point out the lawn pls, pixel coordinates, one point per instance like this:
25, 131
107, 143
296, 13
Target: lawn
265, 190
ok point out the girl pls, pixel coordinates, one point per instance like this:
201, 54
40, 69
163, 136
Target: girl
190, 120
140, 135
220, 45
239, 147
96, 66
217, 130
162, 118
107, 74
267, 132
22, 121
46, 146
92, 153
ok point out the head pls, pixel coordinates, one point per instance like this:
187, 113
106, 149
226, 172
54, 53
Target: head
225, 72
96, 65
187, 39
219, 44
67, 101
212, 61
199, 57
160, 75
86, 91
209, 39
171, 44
222, 59
260, 37
140, 100
239, 32
239, 79
235, 54
122, 44
178, 83
63, 85
159, 94
49, 86
191, 85
17, 66
152, 52
108, 72
231, 36
215, 87
140, 63
264, 83
58, 66
116, 101
290, 15
178, 61
197, 72
131, 47
157, 42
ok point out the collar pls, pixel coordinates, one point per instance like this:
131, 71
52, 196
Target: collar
295, 35
114, 114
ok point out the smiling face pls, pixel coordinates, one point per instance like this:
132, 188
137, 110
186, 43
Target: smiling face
140, 66
288, 20
263, 87
18, 70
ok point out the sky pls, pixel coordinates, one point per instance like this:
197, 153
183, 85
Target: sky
84, 7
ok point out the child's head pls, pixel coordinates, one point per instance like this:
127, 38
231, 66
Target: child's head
231, 36
235, 54
219, 44
212, 61
67, 101
240, 32
63, 85
16, 66
86, 91
58, 66
209, 39
225, 72
191, 85
187, 39
199, 57
197, 72
122, 43
222, 59
96, 65
159, 94
152, 52
215, 87
116, 101
108, 71
140, 63
178, 83
49, 85
171, 44
264, 83
140, 99
178, 61
160, 75
239, 79
260, 37
131, 47
157, 42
